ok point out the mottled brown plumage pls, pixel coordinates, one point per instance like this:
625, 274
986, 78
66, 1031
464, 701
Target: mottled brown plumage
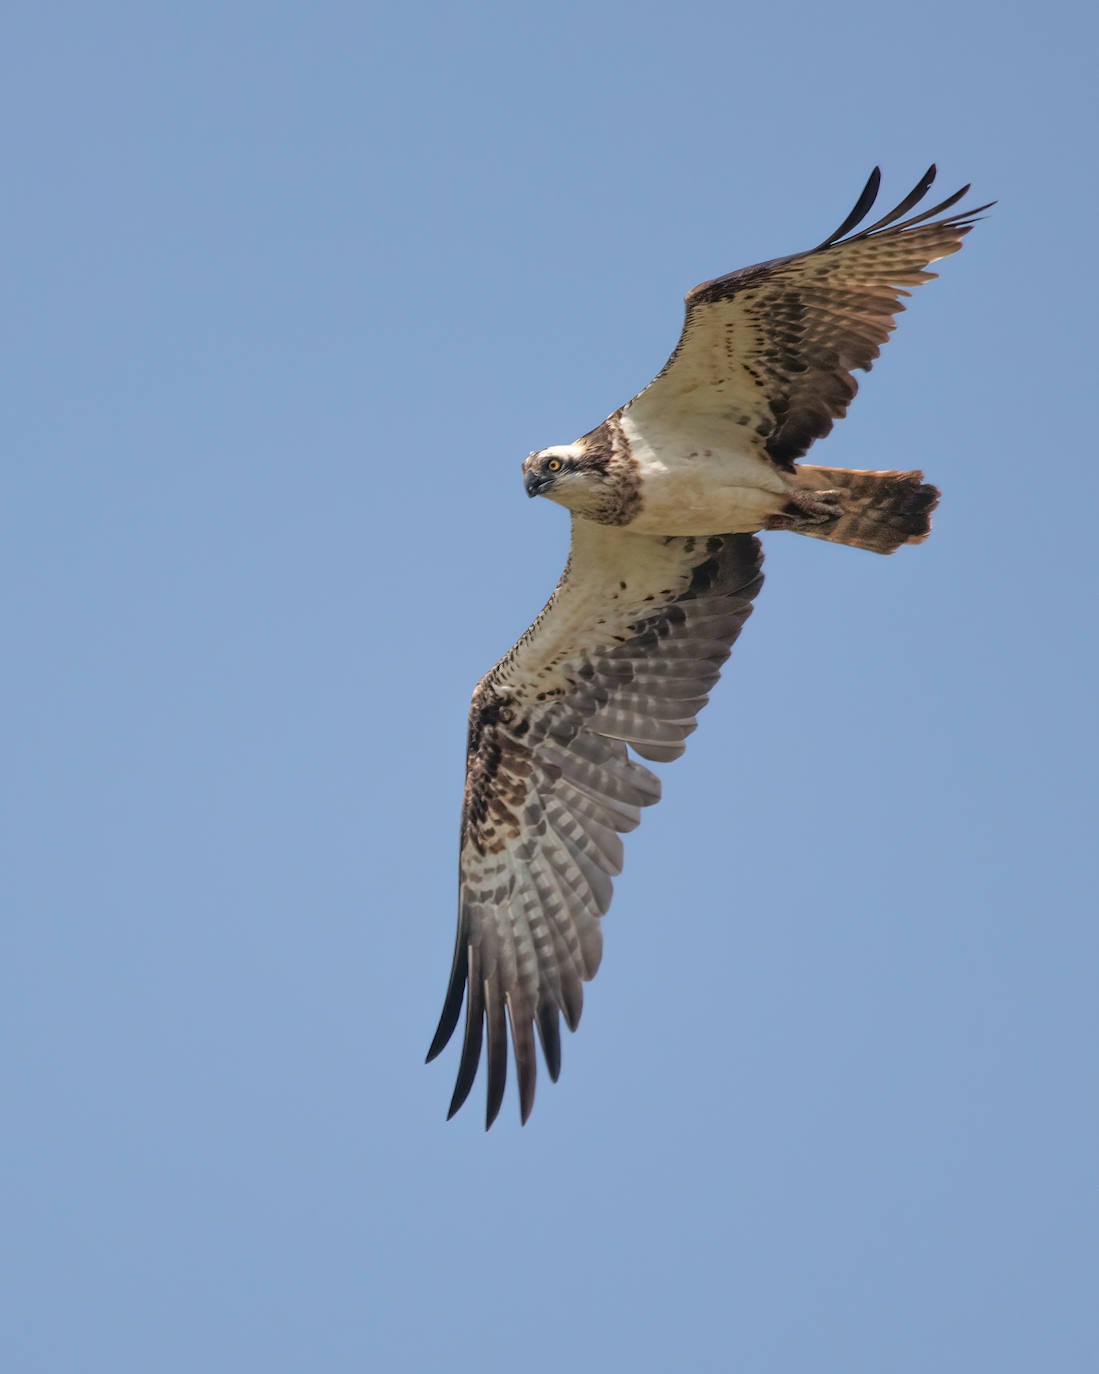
665, 496
776, 342
624, 653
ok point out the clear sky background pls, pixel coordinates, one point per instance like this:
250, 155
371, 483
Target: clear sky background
290, 291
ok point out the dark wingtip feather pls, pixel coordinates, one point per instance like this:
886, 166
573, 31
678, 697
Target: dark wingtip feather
471, 1043
526, 1063
867, 197
549, 1033
914, 197
894, 220
572, 1001
452, 1004
928, 214
496, 1056
968, 218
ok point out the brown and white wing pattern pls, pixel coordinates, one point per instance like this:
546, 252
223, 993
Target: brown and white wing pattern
770, 348
624, 654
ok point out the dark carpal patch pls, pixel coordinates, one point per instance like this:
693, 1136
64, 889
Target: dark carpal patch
544, 813
498, 768
793, 328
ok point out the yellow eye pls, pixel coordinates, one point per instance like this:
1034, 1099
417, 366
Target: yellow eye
554, 465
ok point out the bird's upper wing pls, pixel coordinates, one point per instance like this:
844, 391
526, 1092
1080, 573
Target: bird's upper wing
770, 348
625, 653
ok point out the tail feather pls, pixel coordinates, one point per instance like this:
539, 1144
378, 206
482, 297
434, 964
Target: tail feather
879, 511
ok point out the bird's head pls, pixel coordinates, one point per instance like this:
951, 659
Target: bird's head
568, 475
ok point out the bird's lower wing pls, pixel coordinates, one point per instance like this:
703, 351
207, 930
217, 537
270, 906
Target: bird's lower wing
623, 656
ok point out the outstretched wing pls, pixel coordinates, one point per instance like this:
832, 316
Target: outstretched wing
770, 348
625, 653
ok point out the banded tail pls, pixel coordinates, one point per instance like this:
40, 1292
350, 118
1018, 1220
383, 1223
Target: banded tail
878, 511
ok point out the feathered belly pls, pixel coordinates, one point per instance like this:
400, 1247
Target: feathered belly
693, 481
729, 494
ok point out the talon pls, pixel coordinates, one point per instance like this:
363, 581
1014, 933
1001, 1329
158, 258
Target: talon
815, 507
809, 509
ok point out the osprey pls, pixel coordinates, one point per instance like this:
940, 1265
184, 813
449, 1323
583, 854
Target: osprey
665, 496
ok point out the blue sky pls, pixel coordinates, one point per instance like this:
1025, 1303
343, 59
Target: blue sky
291, 292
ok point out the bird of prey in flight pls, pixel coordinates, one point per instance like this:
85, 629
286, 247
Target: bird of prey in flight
665, 497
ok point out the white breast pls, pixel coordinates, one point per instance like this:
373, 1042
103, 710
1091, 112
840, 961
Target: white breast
694, 482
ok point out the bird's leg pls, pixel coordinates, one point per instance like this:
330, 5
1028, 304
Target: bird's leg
808, 508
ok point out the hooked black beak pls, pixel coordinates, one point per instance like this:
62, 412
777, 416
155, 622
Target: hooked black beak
537, 482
